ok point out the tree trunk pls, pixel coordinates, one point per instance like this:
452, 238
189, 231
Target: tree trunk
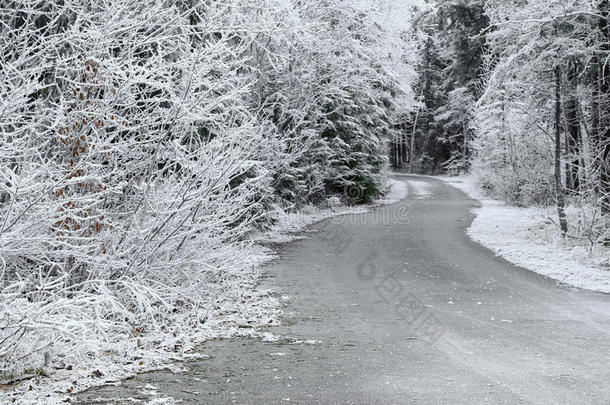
412, 146
465, 148
394, 152
602, 144
563, 223
403, 142
573, 135
595, 101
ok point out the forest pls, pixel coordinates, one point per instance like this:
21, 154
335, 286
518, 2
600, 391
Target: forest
517, 93
145, 144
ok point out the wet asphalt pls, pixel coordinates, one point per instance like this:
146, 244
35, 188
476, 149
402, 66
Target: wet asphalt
399, 306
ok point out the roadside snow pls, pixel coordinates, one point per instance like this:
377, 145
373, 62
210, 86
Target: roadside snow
239, 311
528, 238
398, 191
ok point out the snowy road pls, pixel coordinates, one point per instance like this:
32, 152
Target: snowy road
398, 306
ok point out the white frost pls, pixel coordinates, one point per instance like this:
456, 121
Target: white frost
397, 191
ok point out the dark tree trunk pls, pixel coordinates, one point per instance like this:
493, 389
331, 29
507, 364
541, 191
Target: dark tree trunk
399, 149
573, 135
595, 101
414, 133
602, 144
563, 222
394, 153
402, 150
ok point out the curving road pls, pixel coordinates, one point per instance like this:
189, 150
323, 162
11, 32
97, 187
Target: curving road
398, 306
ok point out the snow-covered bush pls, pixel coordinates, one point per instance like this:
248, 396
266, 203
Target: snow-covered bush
511, 154
142, 142
130, 163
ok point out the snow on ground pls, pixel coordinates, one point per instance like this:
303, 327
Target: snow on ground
398, 191
528, 237
237, 312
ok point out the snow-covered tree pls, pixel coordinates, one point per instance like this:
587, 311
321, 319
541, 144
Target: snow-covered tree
143, 142
537, 123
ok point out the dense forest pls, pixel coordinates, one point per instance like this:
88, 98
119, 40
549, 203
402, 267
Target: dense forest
518, 93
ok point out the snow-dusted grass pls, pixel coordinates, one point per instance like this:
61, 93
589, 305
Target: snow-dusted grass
530, 238
238, 309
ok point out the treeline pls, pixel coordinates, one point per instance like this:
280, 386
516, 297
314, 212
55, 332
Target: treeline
546, 103
143, 141
435, 134
519, 93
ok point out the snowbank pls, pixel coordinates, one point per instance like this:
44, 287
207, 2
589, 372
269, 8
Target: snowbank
529, 238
